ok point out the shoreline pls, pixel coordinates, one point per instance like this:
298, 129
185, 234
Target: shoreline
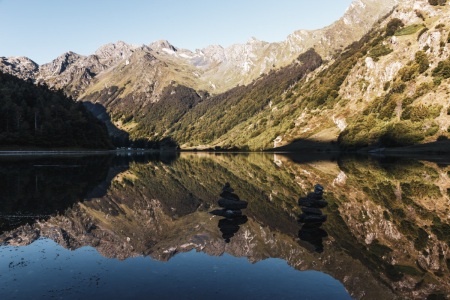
433, 148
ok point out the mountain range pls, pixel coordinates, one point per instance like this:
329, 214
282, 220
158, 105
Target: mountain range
354, 82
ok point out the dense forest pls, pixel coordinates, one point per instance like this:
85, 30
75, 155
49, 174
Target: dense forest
36, 117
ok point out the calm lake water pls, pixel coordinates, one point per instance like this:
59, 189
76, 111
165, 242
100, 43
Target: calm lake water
141, 227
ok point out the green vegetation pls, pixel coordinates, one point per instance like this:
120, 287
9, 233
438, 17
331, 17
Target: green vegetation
283, 102
423, 88
414, 68
380, 50
421, 190
378, 124
34, 116
409, 29
421, 59
190, 117
442, 70
441, 230
437, 2
393, 25
421, 112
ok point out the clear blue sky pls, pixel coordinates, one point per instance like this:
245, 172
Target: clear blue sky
44, 29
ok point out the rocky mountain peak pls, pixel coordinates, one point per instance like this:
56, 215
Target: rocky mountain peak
60, 64
19, 66
163, 45
115, 51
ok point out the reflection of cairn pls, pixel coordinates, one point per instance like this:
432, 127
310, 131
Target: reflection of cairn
229, 200
231, 210
313, 218
311, 205
229, 226
313, 234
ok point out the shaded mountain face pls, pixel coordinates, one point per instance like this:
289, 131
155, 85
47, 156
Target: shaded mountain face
35, 116
385, 233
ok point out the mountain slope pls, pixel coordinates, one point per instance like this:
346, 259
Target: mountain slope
127, 78
34, 116
387, 89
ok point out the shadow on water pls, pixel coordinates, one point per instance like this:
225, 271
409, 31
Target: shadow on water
36, 187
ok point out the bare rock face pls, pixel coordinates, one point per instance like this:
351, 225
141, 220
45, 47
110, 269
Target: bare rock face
111, 53
59, 65
21, 67
163, 45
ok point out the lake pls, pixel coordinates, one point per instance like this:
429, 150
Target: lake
142, 227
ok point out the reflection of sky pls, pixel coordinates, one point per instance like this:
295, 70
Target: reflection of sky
44, 269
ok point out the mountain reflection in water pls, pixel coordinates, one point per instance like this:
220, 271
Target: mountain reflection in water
387, 233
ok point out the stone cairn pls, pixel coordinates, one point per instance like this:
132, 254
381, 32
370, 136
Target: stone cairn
311, 207
230, 202
312, 218
231, 211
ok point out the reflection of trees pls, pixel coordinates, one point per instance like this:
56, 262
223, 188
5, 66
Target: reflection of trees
36, 187
395, 210
162, 205
43, 186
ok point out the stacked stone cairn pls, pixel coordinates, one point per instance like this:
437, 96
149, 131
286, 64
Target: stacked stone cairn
311, 207
230, 202
231, 211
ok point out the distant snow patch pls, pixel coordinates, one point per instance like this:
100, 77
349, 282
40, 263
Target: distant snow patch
184, 55
168, 51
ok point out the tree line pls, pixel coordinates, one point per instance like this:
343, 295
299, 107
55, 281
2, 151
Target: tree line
35, 116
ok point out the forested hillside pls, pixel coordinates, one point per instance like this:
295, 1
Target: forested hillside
192, 119
388, 89
35, 117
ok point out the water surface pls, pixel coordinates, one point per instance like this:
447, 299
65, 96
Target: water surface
141, 227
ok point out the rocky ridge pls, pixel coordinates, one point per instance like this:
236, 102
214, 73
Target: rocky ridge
240, 63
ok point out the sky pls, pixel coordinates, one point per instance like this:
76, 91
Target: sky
44, 29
